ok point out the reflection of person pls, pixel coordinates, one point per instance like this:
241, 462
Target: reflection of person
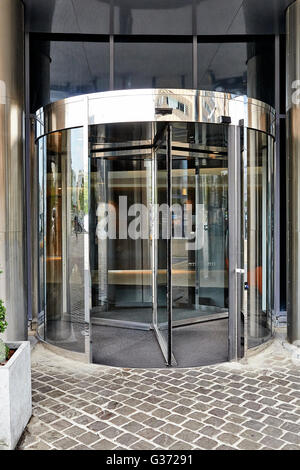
53, 225
77, 225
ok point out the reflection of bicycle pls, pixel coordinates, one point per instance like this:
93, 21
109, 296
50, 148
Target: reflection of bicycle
78, 227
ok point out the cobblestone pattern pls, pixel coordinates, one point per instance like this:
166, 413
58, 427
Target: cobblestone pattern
228, 406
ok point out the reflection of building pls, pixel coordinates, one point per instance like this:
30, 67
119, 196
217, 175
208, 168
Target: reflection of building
155, 45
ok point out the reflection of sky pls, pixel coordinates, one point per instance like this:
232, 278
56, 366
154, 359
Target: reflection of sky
77, 150
238, 108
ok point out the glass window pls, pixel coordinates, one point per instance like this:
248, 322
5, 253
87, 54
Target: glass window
215, 16
153, 17
68, 16
239, 68
153, 65
61, 69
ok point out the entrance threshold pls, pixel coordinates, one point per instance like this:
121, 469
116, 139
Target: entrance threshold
164, 326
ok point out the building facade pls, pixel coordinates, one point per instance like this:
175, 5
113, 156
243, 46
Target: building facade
149, 168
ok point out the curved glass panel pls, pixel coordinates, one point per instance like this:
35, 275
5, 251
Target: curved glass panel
258, 226
62, 211
41, 237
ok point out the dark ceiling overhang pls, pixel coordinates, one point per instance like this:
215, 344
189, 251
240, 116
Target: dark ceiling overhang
214, 17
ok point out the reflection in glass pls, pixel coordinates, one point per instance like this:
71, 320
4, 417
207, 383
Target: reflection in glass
54, 262
239, 68
65, 211
200, 254
259, 233
153, 65
153, 17
120, 264
68, 16
160, 251
41, 237
67, 69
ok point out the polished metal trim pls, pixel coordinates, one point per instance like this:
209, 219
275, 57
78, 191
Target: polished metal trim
121, 153
169, 243
87, 271
131, 325
276, 186
162, 140
235, 272
244, 236
14, 172
194, 321
140, 106
154, 248
110, 146
293, 171
169, 357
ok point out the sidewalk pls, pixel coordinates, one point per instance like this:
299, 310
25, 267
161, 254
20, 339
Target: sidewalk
228, 406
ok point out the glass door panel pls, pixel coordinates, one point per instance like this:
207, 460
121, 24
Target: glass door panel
162, 244
258, 234
65, 207
120, 246
200, 222
200, 236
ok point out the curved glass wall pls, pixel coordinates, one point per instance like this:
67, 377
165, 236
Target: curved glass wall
258, 230
144, 229
62, 211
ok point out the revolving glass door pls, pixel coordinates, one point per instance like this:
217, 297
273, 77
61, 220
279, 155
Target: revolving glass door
159, 230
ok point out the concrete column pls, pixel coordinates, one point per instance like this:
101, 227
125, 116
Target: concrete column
12, 195
293, 170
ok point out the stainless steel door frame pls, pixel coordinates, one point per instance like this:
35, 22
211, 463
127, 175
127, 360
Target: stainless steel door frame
87, 270
165, 344
236, 270
169, 245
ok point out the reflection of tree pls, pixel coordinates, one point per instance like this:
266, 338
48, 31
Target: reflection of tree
81, 199
79, 202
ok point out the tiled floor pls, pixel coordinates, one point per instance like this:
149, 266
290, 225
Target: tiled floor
227, 406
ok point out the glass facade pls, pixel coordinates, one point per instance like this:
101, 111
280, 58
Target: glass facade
170, 17
242, 68
72, 67
153, 65
68, 69
167, 17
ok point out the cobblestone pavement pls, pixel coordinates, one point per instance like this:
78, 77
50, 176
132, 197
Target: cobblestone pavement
228, 406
